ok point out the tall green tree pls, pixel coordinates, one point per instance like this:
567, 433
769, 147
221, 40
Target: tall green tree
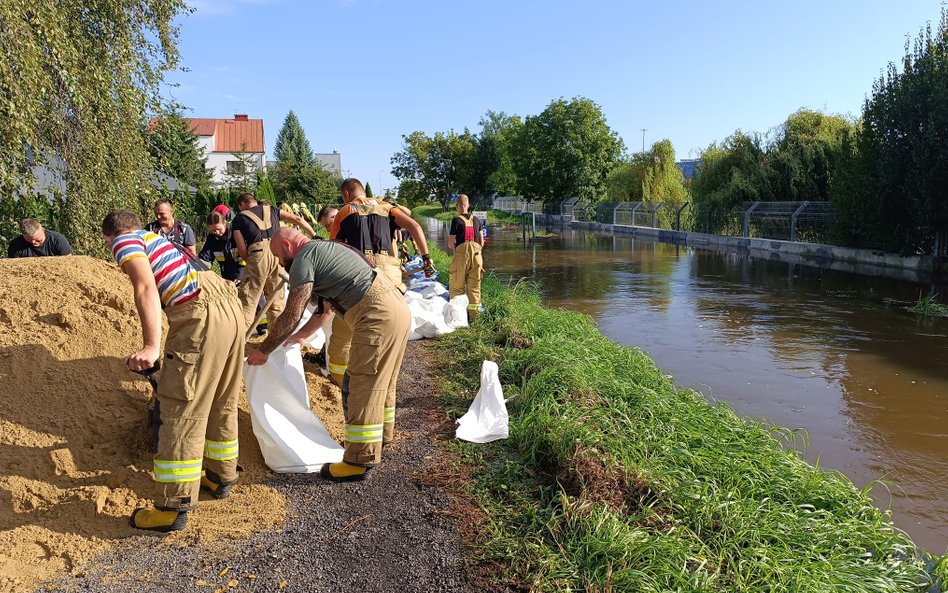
297, 176
291, 144
567, 150
893, 190
241, 176
368, 189
492, 166
174, 147
732, 172
442, 164
76, 80
805, 154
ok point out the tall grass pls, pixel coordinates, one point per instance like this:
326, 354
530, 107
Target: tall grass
614, 479
928, 305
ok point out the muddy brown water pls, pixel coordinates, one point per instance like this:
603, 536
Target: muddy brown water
833, 353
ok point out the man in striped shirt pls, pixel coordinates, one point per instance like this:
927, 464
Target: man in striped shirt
200, 382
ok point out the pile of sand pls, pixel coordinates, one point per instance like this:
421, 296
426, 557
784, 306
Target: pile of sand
73, 425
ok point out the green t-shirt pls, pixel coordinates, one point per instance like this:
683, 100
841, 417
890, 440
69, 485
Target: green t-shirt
338, 273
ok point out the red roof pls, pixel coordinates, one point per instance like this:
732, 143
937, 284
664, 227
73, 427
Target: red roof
231, 135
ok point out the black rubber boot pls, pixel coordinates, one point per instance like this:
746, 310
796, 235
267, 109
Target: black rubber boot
212, 482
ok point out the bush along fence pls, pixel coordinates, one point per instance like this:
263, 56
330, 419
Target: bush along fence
615, 479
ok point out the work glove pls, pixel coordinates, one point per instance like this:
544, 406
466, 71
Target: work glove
428, 267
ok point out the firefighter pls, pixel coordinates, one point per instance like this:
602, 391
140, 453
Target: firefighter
466, 238
330, 274
252, 230
220, 247
368, 224
201, 369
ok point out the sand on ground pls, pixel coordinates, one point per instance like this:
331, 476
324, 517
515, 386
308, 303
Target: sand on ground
74, 459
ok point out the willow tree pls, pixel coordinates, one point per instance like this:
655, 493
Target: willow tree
77, 79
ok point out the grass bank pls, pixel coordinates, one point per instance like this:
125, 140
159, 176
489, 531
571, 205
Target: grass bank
614, 479
433, 210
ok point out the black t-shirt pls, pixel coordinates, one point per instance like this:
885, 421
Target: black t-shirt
465, 227
249, 229
55, 244
223, 250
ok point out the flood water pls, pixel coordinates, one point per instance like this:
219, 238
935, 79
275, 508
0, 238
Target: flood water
832, 353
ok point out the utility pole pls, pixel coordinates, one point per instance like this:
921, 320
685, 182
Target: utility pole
643, 138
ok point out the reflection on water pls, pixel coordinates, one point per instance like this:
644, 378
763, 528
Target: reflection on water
833, 353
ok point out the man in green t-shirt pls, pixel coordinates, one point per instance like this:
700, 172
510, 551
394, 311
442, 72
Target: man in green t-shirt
329, 273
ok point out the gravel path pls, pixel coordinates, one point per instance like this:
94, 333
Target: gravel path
393, 532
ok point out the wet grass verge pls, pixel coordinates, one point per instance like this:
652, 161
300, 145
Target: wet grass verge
614, 479
434, 210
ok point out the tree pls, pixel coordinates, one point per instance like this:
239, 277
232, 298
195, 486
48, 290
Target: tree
411, 192
264, 189
732, 172
77, 80
368, 189
297, 176
442, 164
892, 186
492, 167
567, 150
295, 183
241, 176
804, 155
292, 145
174, 147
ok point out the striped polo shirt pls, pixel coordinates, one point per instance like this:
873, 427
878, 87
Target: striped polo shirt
174, 276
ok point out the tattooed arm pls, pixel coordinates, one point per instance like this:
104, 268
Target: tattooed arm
284, 325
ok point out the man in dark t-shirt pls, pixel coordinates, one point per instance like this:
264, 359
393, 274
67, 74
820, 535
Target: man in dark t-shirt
178, 232
374, 308
252, 229
467, 265
35, 241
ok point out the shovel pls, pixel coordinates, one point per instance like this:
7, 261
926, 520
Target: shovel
154, 411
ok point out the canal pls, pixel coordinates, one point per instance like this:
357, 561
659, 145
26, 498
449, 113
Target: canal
832, 353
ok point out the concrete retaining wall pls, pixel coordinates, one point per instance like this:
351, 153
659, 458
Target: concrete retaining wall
862, 261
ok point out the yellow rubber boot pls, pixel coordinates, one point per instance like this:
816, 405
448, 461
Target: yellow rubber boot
344, 472
159, 520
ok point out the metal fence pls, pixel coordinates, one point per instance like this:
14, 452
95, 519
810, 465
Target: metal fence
811, 221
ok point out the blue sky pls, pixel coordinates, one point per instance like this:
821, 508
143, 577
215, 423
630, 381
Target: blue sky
361, 73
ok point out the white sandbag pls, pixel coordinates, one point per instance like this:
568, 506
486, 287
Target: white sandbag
486, 420
455, 313
318, 339
292, 439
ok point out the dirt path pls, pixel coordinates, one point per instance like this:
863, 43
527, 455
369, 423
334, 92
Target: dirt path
392, 532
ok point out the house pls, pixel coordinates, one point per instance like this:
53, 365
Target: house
222, 138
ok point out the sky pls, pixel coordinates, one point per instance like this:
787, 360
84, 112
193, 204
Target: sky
360, 74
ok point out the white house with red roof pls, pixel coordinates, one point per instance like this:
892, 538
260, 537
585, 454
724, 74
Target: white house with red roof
222, 139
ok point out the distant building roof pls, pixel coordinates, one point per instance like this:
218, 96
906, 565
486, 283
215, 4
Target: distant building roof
239, 134
688, 167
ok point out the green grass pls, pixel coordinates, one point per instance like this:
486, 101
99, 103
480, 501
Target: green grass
614, 479
927, 305
433, 210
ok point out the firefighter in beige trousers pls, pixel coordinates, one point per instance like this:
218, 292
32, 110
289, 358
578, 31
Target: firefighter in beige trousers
466, 238
367, 225
327, 273
252, 229
200, 379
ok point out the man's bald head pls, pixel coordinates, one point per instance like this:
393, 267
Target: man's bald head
286, 243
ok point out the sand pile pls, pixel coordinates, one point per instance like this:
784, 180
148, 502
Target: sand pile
73, 425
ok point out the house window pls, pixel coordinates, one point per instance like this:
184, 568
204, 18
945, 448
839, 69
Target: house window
235, 167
